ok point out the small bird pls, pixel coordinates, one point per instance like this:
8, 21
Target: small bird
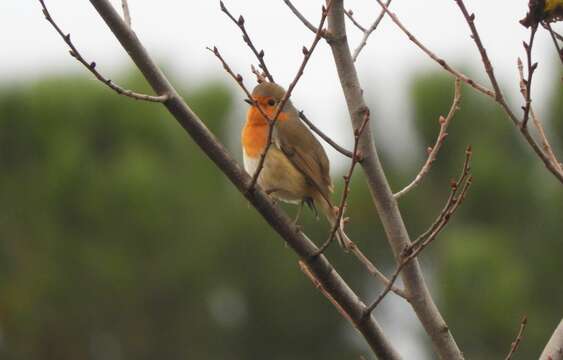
296, 168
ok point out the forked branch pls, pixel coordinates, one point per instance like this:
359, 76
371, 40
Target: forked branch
369, 31
458, 193
259, 54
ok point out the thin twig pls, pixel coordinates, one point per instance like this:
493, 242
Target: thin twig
375, 272
126, 13
331, 142
239, 79
520, 125
547, 26
411, 252
91, 66
347, 179
370, 267
307, 52
554, 37
368, 32
440, 61
433, 151
516, 342
528, 82
305, 269
350, 15
547, 149
259, 54
301, 17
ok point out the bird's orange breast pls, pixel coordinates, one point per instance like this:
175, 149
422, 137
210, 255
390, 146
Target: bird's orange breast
255, 132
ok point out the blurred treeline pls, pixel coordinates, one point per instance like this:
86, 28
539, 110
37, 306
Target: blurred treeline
120, 240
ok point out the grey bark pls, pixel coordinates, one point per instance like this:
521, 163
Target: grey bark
554, 348
382, 196
279, 221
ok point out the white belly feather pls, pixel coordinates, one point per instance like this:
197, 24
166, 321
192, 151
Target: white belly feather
250, 163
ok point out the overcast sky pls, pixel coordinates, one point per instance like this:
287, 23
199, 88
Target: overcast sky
176, 32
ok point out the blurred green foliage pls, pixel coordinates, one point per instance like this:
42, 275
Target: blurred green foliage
119, 239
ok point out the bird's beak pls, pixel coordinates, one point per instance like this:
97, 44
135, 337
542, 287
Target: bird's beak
249, 102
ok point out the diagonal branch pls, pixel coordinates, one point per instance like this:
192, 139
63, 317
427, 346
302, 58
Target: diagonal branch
433, 151
516, 342
412, 251
323, 136
547, 149
353, 248
520, 125
555, 36
319, 266
259, 54
482, 89
350, 15
368, 31
357, 157
91, 66
238, 78
301, 17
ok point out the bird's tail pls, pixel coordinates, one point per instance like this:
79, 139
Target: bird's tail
331, 213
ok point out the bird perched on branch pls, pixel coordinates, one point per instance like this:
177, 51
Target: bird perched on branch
296, 168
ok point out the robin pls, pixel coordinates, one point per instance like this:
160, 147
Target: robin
296, 168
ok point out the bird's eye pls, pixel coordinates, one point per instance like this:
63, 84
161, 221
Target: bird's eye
271, 102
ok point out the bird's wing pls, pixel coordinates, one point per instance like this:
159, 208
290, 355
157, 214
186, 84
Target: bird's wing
305, 153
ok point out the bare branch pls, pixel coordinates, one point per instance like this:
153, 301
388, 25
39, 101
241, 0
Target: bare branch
554, 37
433, 151
375, 272
357, 157
238, 78
259, 54
305, 269
91, 66
370, 267
323, 136
521, 125
301, 16
528, 82
350, 15
412, 251
382, 196
547, 149
368, 32
319, 266
307, 52
126, 13
547, 154
554, 348
516, 342
440, 61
